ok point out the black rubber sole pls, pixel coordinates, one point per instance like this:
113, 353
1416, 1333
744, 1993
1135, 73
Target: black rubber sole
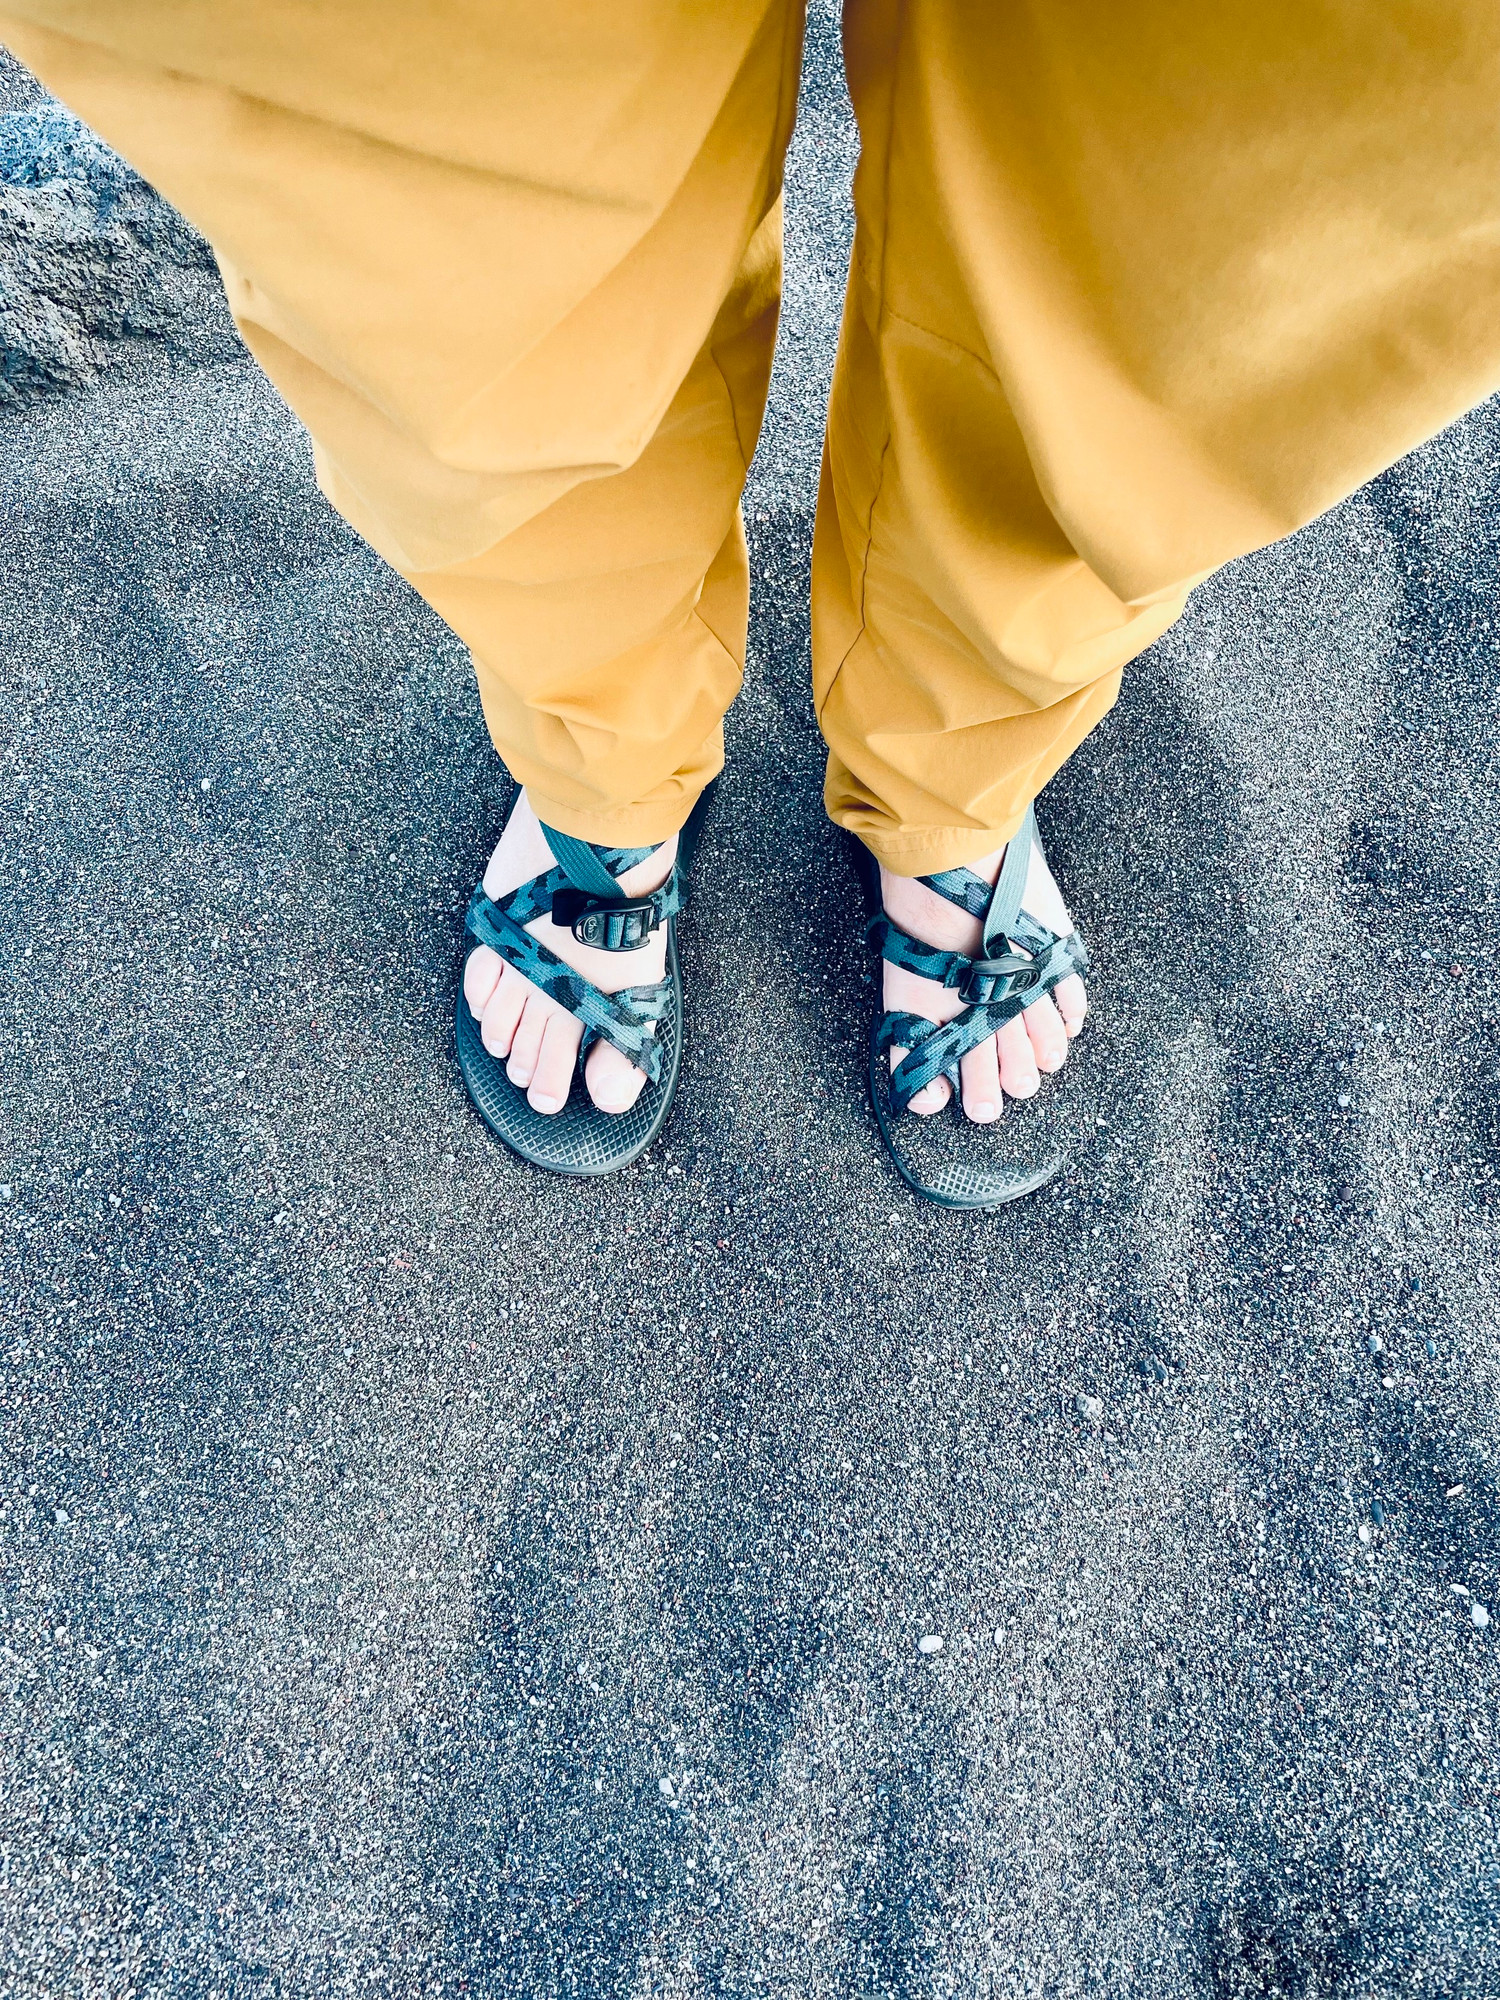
947, 1159
581, 1140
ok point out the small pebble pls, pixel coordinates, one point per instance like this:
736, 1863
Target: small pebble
61, 1516
664, 1786
1453, 1492
1364, 1531
1431, 1346
929, 1643
4, 1193
1343, 1101
204, 783
1375, 1344
1479, 1615
1458, 1590
1387, 1381
999, 1635
1377, 1513
1090, 1408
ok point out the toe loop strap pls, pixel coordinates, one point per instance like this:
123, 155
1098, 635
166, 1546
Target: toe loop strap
935, 1050
627, 1021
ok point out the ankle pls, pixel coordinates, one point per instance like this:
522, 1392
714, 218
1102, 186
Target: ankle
652, 872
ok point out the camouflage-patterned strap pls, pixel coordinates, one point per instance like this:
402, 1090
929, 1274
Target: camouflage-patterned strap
583, 894
961, 886
998, 986
935, 1049
626, 1020
535, 898
1024, 968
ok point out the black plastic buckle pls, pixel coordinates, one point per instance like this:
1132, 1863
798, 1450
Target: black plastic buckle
987, 979
605, 926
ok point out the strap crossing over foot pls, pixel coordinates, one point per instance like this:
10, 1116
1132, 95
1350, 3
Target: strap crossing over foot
953, 1162
1020, 961
582, 895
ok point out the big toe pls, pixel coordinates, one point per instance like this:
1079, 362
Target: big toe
1072, 1001
482, 970
931, 1097
613, 1083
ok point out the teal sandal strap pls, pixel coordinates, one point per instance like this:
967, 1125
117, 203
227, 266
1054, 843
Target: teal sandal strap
607, 925
1005, 905
626, 1020
582, 894
935, 1050
971, 892
593, 869
1021, 961
961, 886
977, 979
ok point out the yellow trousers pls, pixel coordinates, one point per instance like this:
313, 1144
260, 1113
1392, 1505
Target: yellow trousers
1136, 287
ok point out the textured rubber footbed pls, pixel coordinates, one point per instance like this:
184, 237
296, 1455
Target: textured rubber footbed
580, 1139
950, 1160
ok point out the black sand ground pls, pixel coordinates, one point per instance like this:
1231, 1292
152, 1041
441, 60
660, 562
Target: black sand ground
424, 1578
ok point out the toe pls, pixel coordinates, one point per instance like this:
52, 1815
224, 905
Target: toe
1072, 1002
553, 1073
502, 1011
526, 1043
980, 1075
481, 977
931, 1097
1018, 1071
613, 1082
1049, 1038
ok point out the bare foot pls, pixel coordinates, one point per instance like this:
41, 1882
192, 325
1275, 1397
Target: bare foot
1013, 1060
534, 1037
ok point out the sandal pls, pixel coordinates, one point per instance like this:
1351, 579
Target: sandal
643, 1022
969, 1166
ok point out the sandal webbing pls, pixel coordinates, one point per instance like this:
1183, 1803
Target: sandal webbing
535, 898
961, 886
999, 985
626, 1020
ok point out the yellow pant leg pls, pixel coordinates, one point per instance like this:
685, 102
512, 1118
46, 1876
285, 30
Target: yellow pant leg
517, 269
1136, 288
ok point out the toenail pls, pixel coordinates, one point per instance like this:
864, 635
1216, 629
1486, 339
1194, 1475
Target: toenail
546, 1104
982, 1113
519, 1077
1053, 1059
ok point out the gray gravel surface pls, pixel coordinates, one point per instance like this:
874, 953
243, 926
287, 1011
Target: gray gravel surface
421, 1577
